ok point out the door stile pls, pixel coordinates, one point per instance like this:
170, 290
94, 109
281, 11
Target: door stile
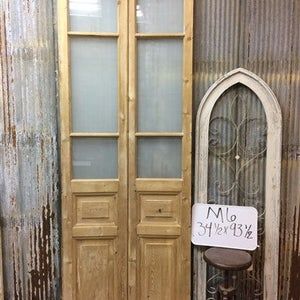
132, 217
66, 203
123, 144
187, 147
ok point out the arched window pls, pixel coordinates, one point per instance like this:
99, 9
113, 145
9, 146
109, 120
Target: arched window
238, 157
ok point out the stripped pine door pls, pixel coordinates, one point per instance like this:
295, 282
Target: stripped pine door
160, 74
125, 93
93, 90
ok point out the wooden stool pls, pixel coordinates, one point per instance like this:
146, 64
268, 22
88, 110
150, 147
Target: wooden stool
228, 260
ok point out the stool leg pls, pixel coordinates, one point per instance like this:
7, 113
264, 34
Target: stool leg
234, 284
226, 279
224, 295
228, 288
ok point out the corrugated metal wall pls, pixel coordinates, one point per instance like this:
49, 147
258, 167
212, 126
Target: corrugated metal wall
262, 36
259, 35
28, 150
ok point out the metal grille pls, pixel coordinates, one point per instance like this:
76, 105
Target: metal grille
237, 152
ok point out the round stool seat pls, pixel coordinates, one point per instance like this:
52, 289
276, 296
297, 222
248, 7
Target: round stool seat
228, 259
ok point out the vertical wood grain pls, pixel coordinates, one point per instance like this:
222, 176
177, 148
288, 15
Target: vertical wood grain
132, 205
123, 148
66, 207
185, 283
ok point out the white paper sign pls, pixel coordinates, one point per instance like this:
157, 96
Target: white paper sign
224, 226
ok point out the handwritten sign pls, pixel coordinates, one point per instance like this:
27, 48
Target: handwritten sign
224, 226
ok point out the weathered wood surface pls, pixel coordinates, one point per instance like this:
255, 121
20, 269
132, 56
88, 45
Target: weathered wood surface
262, 36
28, 150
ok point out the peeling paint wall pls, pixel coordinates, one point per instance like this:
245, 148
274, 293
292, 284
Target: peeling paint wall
28, 150
262, 36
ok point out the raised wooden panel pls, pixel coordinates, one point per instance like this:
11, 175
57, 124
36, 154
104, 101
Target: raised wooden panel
158, 269
95, 270
94, 231
94, 209
159, 208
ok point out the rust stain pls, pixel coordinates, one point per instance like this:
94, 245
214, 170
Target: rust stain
13, 135
294, 292
18, 293
40, 265
28, 150
40, 283
8, 106
4, 67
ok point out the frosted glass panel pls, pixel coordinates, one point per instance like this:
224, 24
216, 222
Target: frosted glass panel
93, 15
159, 85
159, 157
159, 15
94, 84
95, 158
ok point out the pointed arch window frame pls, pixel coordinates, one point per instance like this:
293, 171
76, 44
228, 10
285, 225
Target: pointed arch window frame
273, 171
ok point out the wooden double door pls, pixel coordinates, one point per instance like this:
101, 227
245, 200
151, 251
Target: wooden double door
125, 94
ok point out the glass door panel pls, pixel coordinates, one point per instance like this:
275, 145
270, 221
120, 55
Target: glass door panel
160, 85
93, 15
94, 69
95, 158
159, 157
159, 16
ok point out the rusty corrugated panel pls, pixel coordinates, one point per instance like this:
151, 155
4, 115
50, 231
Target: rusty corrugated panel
28, 150
264, 37
1, 269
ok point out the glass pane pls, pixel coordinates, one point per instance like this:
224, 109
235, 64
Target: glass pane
236, 164
95, 158
93, 15
159, 85
159, 15
94, 84
159, 157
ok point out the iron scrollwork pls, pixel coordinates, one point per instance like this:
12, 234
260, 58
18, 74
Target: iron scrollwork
237, 151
